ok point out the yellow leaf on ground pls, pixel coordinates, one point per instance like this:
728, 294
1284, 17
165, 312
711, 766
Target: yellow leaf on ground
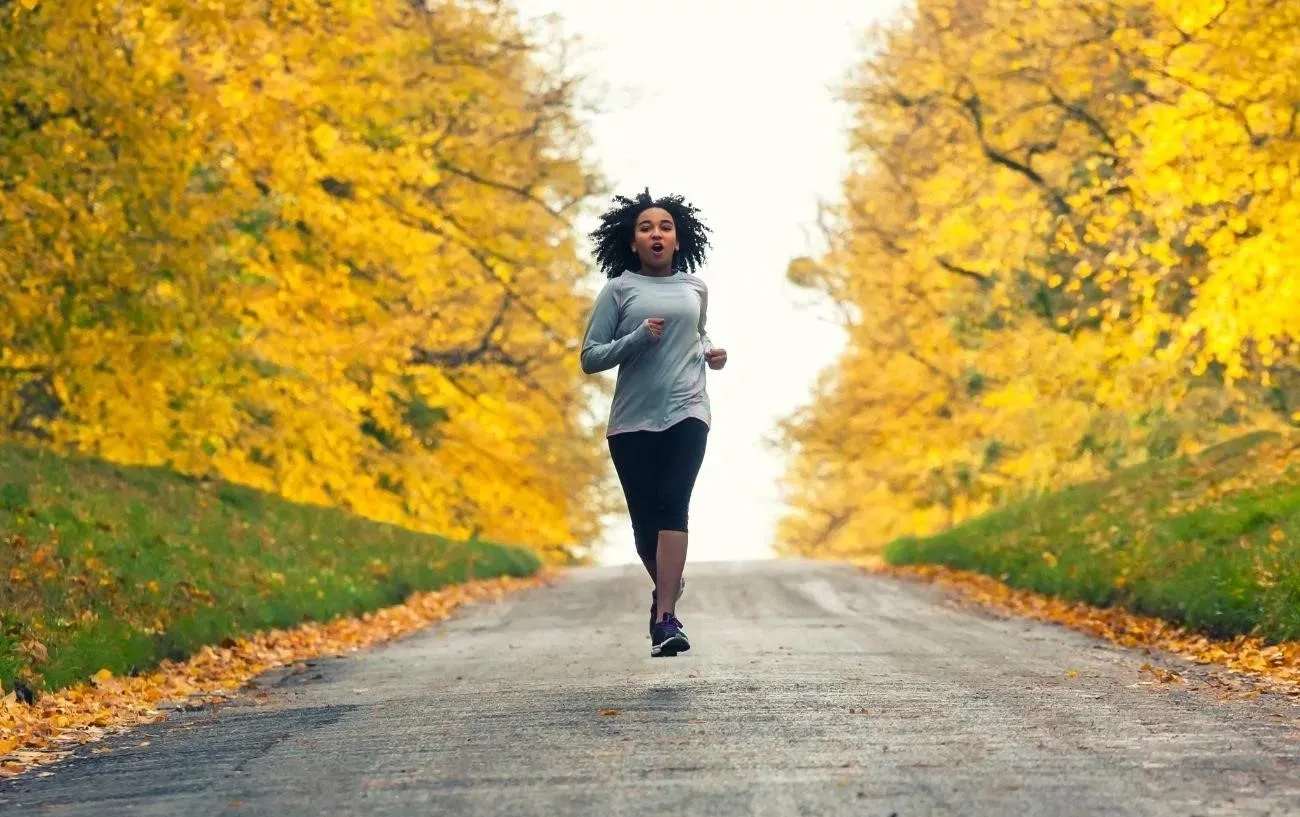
1273, 668
85, 713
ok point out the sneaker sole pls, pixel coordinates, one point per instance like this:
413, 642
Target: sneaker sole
671, 647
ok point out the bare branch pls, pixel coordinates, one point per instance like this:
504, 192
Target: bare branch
973, 105
979, 277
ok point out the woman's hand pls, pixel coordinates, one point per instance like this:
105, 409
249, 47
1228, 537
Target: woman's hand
716, 358
656, 327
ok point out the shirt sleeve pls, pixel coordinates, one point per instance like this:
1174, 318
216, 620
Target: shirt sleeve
705, 342
600, 349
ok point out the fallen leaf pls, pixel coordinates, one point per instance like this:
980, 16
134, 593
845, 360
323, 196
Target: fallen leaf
40, 732
1252, 663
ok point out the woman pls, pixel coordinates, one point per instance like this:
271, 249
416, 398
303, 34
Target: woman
648, 321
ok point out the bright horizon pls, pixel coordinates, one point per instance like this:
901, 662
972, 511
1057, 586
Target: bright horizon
735, 111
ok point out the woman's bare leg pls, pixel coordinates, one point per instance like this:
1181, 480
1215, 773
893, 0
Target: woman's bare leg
671, 562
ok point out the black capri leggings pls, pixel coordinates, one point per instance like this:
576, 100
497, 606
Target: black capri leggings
657, 470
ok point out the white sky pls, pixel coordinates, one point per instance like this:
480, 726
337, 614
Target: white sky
730, 103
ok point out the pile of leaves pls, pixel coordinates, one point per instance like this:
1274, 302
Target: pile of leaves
1268, 667
1199, 555
57, 723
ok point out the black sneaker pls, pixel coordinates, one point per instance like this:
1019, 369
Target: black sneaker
681, 590
669, 638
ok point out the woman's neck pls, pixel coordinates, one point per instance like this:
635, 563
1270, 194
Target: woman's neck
656, 273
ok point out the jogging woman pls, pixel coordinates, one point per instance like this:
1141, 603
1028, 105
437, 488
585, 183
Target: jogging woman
648, 321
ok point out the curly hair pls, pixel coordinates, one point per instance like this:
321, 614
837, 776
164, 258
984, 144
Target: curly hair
613, 238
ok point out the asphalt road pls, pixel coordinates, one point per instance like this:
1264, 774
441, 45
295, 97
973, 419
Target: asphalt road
812, 689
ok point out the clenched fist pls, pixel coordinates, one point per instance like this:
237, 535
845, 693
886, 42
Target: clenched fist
656, 327
716, 358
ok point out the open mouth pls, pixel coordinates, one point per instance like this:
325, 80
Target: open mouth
657, 247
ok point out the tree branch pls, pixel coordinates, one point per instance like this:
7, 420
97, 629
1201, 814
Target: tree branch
973, 106
980, 278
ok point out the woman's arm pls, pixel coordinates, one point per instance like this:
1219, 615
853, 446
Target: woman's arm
705, 342
600, 349
715, 356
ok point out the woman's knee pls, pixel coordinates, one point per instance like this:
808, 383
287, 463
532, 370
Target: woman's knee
646, 535
674, 515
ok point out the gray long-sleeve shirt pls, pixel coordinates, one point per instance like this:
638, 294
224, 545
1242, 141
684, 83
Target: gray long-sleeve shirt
660, 381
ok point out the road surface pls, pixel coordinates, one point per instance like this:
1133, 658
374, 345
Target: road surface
812, 689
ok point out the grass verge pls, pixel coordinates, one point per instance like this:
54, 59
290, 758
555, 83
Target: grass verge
104, 567
1253, 666
1210, 542
57, 723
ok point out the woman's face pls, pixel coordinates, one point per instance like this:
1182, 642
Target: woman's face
654, 238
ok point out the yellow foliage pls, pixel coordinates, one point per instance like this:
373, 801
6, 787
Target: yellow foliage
1067, 245
305, 247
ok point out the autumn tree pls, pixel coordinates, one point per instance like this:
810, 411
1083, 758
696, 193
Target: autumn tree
319, 249
1042, 253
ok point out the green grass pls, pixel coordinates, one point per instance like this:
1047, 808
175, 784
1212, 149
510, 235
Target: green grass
1211, 542
114, 567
